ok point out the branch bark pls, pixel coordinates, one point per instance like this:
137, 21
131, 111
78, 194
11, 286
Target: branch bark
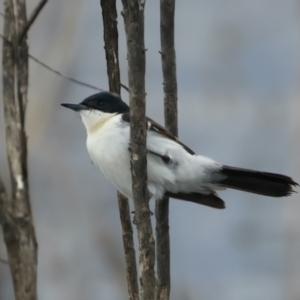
109, 15
31, 20
168, 59
16, 217
128, 243
133, 13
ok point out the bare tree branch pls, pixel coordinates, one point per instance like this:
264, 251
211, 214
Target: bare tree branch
64, 76
168, 58
31, 20
133, 13
22, 65
128, 243
71, 78
109, 15
3, 202
162, 249
3, 214
125, 87
110, 35
17, 223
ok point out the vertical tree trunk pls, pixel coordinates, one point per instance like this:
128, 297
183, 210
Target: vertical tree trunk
109, 15
16, 217
133, 14
168, 59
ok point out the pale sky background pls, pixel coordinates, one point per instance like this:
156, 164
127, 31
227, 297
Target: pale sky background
238, 67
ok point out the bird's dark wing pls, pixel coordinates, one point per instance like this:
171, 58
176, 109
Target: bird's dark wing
211, 200
154, 126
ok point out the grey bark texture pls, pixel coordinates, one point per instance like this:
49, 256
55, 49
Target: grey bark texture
109, 15
15, 211
168, 59
133, 13
128, 243
35, 13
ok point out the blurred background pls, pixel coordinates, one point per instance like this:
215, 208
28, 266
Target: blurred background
238, 68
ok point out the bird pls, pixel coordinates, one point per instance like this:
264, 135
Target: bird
173, 169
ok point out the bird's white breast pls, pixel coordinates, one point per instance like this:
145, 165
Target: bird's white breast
107, 144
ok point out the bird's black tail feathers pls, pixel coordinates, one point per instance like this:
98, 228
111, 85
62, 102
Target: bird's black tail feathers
262, 183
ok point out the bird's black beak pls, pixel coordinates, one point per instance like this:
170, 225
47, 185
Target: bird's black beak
76, 107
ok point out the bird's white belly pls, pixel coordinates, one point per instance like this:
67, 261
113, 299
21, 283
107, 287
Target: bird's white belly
111, 155
109, 151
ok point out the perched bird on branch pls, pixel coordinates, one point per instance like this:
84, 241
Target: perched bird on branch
173, 169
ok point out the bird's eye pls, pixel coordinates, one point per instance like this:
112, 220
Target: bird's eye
100, 104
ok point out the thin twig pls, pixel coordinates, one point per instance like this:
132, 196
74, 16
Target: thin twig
125, 87
63, 75
71, 78
133, 13
168, 59
109, 16
32, 18
57, 72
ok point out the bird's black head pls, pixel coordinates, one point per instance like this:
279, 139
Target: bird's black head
106, 102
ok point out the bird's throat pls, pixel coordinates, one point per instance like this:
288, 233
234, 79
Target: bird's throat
100, 123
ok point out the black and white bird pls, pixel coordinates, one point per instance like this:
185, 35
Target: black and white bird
173, 169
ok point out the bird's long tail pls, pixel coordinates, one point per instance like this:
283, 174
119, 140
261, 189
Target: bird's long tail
262, 183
